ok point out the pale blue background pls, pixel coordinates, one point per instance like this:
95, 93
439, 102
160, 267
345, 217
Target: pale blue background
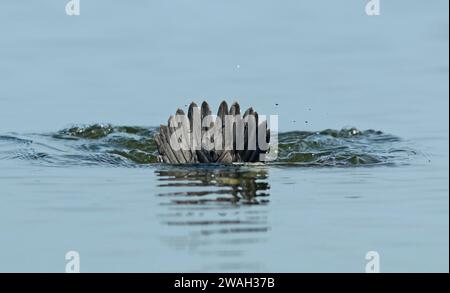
134, 62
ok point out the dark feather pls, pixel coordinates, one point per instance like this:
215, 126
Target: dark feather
192, 150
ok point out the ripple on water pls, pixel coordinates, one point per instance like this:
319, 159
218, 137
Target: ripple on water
129, 146
208, 209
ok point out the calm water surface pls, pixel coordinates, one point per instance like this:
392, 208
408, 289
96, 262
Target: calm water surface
331, 197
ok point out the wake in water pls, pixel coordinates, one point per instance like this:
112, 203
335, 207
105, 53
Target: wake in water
135, 147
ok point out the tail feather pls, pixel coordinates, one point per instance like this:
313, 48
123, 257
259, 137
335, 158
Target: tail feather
191, 149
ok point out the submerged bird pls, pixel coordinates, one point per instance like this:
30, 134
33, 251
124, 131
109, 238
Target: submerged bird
200, 137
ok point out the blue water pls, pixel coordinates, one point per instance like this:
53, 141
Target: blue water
318, 64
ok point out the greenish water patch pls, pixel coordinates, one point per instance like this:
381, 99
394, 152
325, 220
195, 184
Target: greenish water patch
104, 144
345, 147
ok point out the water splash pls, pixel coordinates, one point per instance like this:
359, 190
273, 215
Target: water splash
131, 146
345, 147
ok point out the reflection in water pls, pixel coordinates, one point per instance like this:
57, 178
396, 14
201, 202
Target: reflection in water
221, 210
243, 185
